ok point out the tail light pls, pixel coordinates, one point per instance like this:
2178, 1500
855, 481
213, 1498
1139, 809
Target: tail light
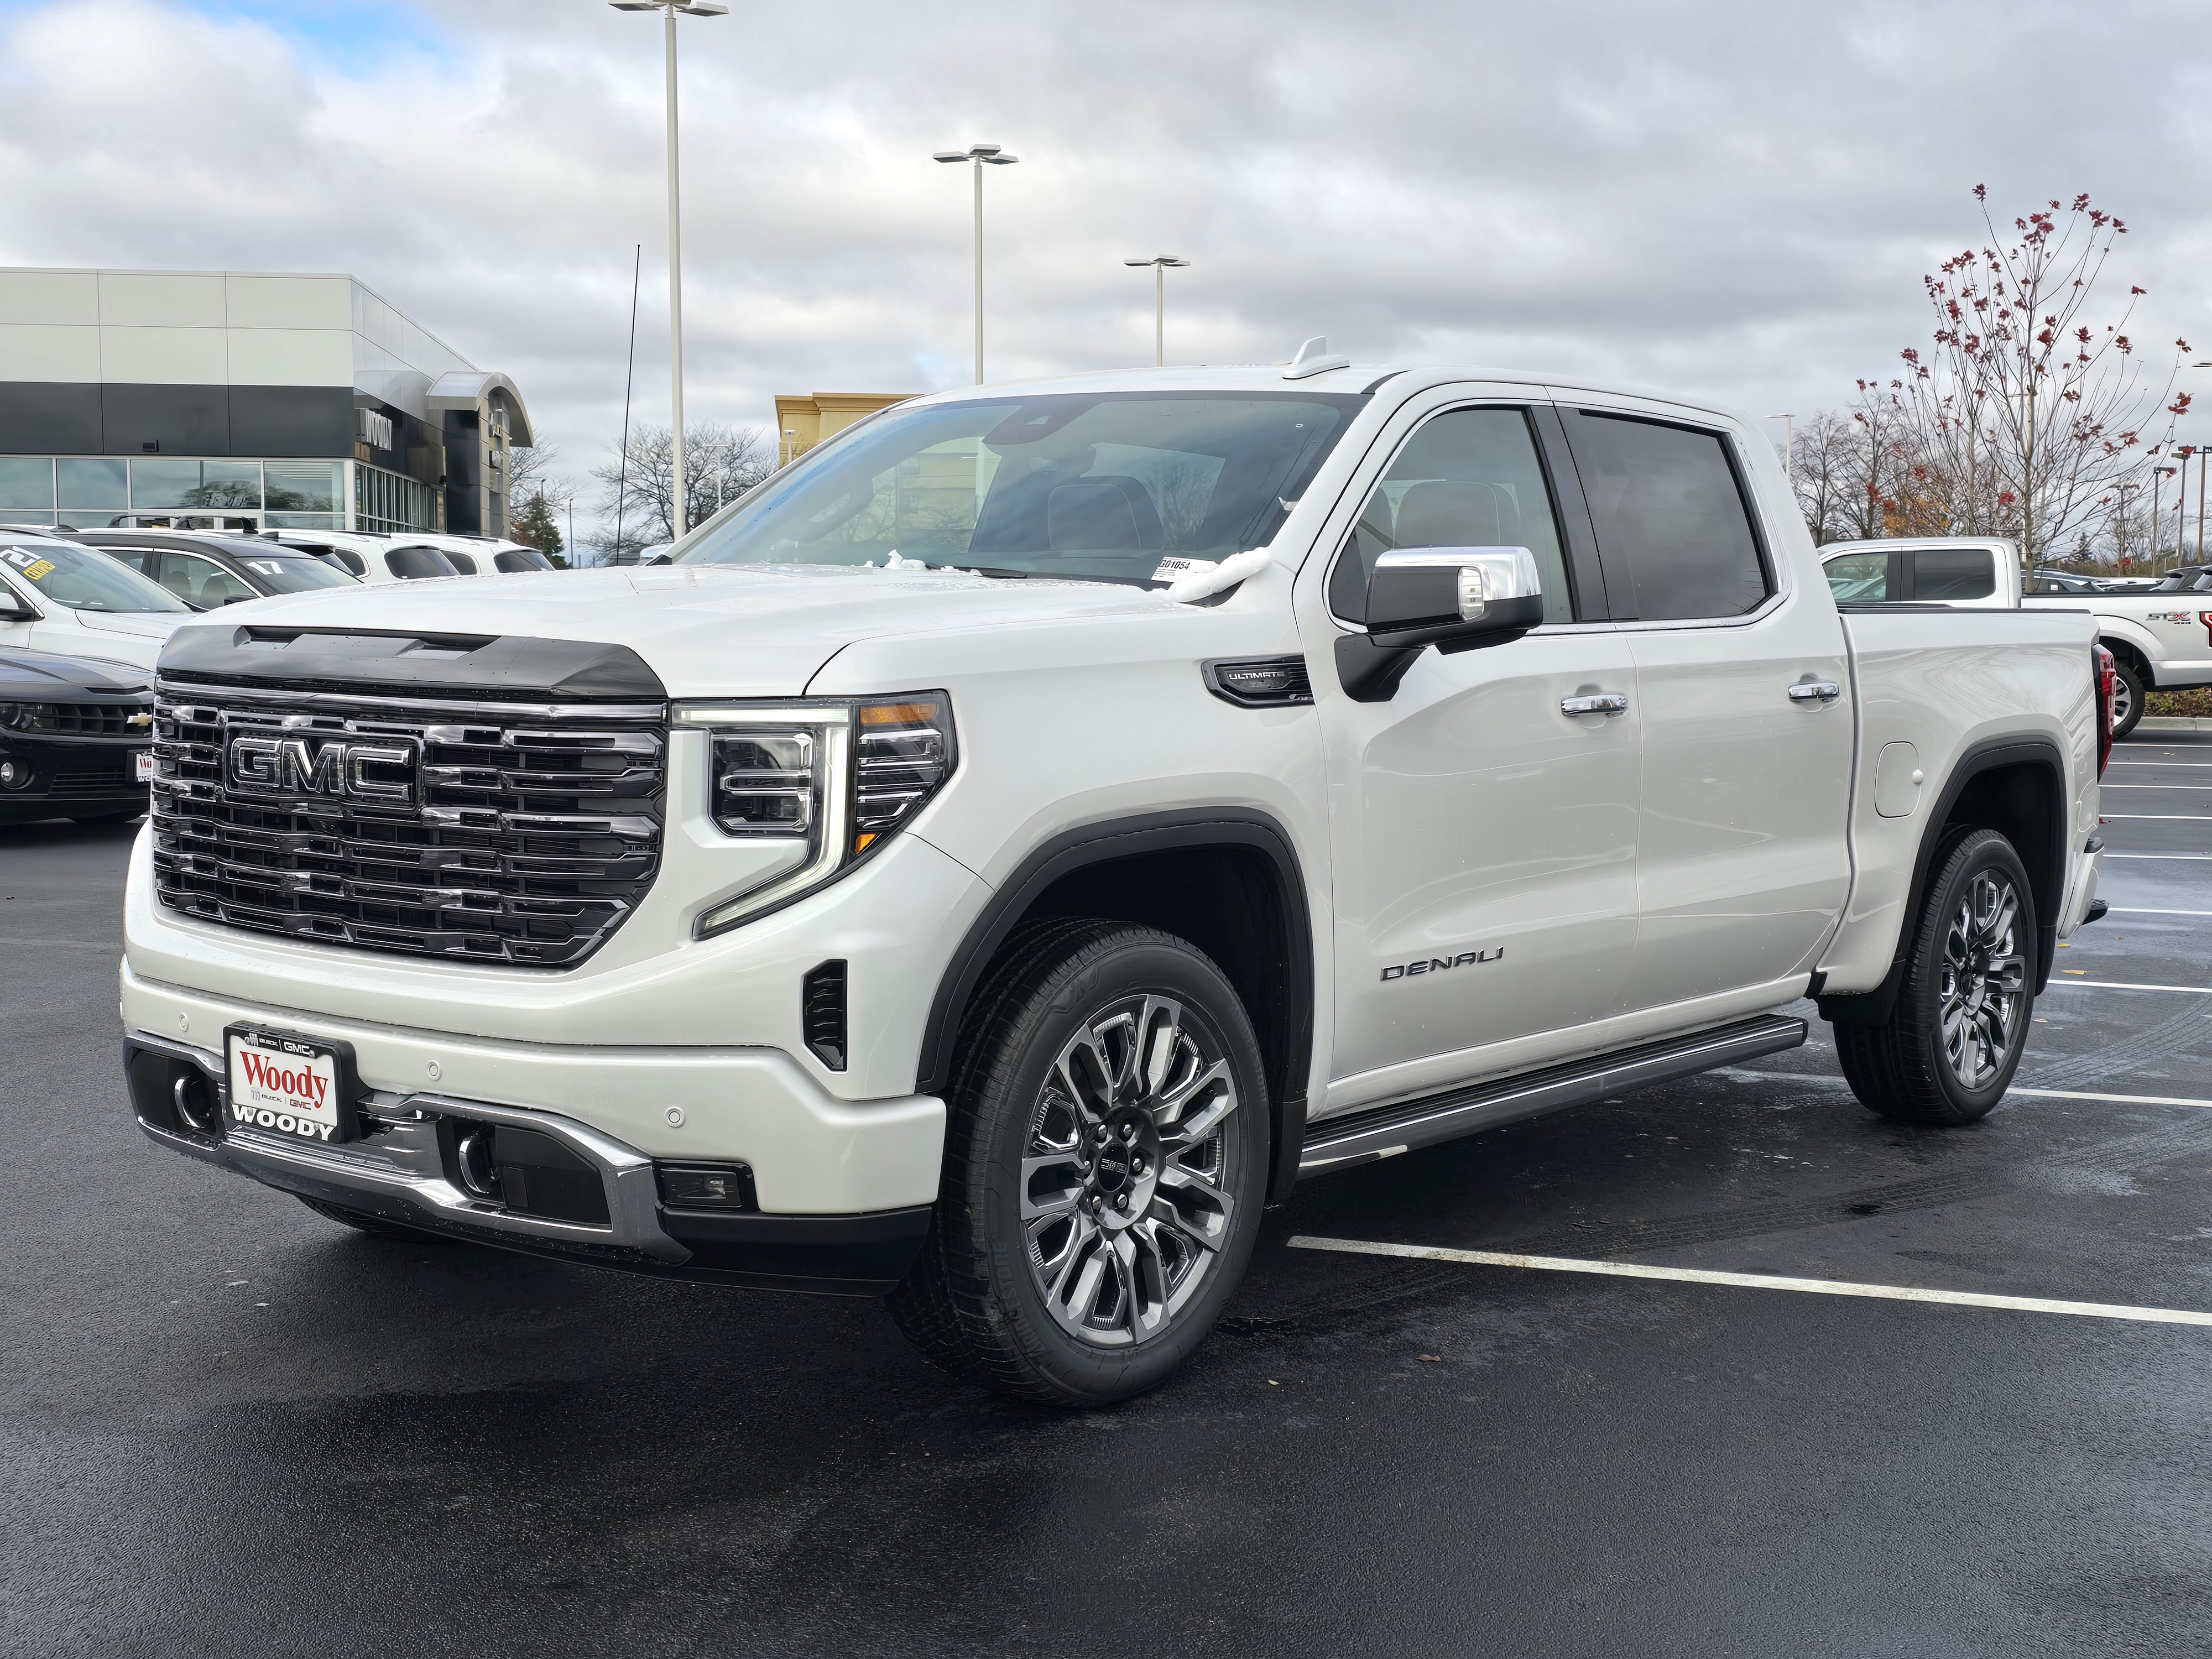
2205, 616
2107, 684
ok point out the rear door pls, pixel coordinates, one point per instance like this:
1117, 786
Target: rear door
1744, 700
1483, 840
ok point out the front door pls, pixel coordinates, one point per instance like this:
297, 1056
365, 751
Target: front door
1745, 696
1483, 840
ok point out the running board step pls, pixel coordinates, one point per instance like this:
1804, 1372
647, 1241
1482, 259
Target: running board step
1363, 1137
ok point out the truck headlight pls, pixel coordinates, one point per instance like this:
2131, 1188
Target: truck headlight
833, 779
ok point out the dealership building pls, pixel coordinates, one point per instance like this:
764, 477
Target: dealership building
222, 400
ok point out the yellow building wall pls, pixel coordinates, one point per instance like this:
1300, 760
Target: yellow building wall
804, 421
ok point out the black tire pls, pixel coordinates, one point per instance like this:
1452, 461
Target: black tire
1905, 1069
2129, 694
374, 1225
981, 1298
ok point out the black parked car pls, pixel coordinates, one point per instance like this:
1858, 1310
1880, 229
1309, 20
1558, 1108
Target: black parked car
75, 738
206, 571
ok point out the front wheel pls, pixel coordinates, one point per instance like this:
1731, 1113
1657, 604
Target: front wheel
1106, 1160
1948, 1050
2129, 690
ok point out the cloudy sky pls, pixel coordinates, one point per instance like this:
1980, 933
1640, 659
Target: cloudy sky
1733, 200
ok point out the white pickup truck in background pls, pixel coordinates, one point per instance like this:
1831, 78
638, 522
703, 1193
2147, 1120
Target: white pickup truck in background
2161, 636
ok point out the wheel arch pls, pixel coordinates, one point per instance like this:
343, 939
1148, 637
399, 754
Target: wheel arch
2124, 637
2016, 786
1226, 879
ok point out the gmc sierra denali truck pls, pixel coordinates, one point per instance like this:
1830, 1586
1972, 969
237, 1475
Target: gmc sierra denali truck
1026, 835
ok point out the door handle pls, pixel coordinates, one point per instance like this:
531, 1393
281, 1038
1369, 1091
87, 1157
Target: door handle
1815, 691
1602, 702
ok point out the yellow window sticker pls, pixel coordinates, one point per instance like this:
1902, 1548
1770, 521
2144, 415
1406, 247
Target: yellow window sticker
39, 569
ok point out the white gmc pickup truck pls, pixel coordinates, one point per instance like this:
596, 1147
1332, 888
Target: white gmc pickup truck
1024, 837
2160, 635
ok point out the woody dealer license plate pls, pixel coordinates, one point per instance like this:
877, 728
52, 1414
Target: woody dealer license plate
294, 1087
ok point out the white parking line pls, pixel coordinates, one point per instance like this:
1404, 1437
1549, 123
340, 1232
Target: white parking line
2129, 910
2122, 762
1742, 1076
2199, 856
2199, 787
2162, 817
2121, 985
1562, 1264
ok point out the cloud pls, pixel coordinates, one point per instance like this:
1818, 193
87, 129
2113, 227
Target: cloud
1730, 199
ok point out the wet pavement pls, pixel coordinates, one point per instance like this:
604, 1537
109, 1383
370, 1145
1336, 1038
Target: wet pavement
232, 1426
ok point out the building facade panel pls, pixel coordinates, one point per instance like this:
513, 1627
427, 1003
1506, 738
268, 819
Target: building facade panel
49, 351
164, 356
154, 418
161, 299
291, 356
289, 301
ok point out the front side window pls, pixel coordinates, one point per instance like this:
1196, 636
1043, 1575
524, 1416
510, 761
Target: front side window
1096, 487
1860, 578
79, 578
1468, 477
1665, 502
200, 582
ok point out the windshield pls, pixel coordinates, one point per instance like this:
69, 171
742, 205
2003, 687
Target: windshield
1099, 487
82, 580
297, 575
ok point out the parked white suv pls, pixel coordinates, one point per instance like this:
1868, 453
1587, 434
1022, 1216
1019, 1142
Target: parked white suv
1007, 849
61, 597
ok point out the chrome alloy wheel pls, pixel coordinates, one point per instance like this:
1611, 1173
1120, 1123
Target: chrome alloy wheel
1124, 1204
1984, 974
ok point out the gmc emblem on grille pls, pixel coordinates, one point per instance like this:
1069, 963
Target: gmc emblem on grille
378, 774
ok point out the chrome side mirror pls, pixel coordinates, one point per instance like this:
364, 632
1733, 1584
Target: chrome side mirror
1455, 598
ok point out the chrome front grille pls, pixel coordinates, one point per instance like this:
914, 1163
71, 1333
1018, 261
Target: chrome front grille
532, 832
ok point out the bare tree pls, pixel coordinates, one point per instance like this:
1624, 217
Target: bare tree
2026, 419
638, 493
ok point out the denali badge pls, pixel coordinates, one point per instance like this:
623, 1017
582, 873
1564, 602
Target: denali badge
379, 774
1438, 964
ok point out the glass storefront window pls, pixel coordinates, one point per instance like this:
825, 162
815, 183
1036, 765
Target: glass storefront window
164, 483
90, 483
305, 486
230, 484
27, 483
303, 521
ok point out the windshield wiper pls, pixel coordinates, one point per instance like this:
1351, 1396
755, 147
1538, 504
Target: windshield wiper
998, 571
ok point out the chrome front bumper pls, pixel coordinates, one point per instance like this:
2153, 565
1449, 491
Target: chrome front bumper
399, 1171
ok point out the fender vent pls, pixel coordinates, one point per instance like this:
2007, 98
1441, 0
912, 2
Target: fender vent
1259, 682
821, 1013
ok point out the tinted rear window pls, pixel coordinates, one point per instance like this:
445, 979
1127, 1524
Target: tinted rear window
1664, 501
521, 558
1939, 574
415, 562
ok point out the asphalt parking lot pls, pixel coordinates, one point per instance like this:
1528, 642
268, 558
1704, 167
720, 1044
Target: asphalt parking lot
232, 1426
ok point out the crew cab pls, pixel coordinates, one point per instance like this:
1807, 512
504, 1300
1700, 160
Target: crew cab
2160, 636
1032, 832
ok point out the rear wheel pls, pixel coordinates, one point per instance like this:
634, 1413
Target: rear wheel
2129, 690
1106, 1161
1948, 1050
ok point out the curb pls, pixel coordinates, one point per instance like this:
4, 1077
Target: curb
2172, 723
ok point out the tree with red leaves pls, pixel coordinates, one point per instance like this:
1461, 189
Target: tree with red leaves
2027, 419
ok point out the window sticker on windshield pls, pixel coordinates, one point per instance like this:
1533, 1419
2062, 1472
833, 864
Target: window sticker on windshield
1170, 568
38, 569
266, 567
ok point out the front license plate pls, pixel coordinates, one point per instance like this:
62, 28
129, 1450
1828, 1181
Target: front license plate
142, 767
294, 1087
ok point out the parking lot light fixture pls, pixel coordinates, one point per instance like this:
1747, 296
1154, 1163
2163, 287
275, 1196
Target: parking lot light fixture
669, 9
980, 156
1161, 264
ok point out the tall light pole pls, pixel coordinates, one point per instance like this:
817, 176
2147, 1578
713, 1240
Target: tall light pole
981, 156
1161, 265
1789, 444
669, 9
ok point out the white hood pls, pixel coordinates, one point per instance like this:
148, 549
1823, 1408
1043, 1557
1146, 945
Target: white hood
708, 631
